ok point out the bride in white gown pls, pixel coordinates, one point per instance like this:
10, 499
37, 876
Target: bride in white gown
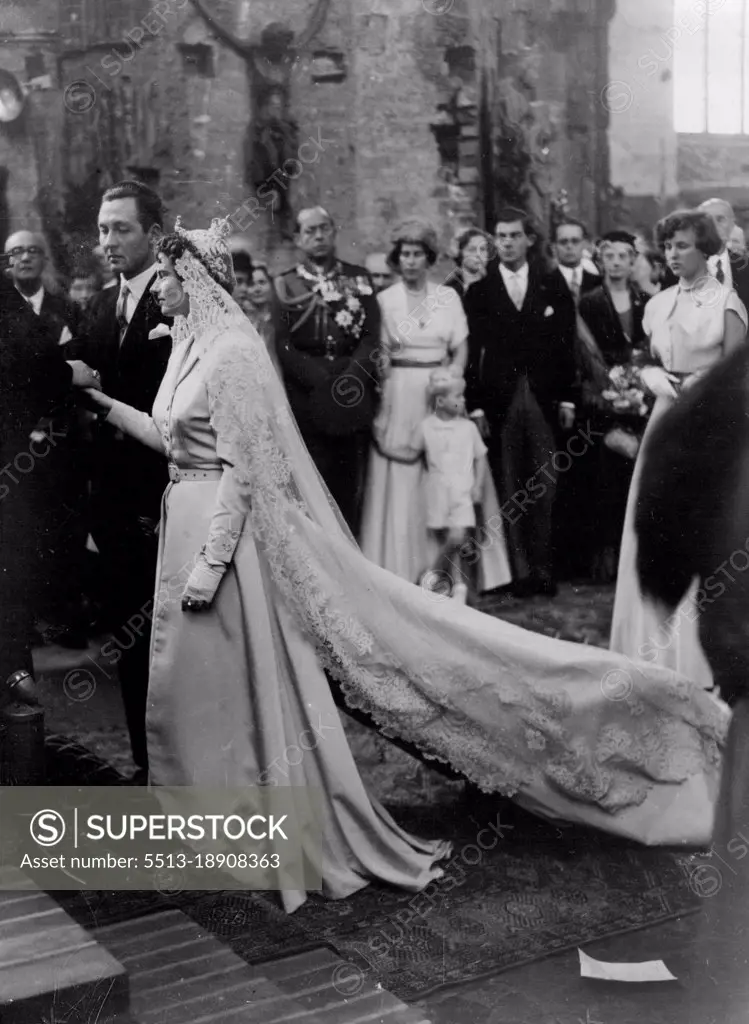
571, 732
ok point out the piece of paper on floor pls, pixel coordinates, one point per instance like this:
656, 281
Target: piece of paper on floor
649, 970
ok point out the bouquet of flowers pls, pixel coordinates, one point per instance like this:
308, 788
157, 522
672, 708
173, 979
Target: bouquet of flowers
626, 397
627, 392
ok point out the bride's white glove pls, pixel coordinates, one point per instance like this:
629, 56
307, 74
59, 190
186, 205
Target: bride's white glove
202, 584
658, 381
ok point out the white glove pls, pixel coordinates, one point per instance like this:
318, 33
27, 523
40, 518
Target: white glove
202, 584
658, 381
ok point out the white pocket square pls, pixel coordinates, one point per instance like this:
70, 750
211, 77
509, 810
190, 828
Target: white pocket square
159, 331
549, 311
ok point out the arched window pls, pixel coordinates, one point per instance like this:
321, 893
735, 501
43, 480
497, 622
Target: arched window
710, 41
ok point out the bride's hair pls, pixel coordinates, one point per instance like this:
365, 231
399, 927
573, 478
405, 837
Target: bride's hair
175, 245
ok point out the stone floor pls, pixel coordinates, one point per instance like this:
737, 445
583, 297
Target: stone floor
80, 694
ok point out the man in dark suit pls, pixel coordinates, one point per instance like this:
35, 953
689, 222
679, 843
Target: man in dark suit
569, 243
34, 381
60, 483
28, 258
128, 479
568, 248
730, 268
521, 383
327, 323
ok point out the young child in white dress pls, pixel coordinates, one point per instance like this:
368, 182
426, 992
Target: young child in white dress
456, 464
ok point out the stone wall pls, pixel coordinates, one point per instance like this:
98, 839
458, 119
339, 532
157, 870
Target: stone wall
552, 68
30, 147
442, 108
639, 95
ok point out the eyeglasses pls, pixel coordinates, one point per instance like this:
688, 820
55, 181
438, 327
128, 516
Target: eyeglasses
32, 250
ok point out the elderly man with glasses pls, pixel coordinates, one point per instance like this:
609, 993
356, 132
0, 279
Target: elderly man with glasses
28, 258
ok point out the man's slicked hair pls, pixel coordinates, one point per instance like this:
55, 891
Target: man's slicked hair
511, 214
147, 202
570, 222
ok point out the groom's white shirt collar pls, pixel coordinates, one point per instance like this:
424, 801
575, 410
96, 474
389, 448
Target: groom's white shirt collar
138, 285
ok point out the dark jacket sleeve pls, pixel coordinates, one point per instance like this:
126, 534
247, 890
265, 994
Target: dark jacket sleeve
304, 370
475, 305
49, 373
34, 377
81, 345
566, 366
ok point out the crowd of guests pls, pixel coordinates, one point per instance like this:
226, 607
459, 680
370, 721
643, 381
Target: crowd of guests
543, 342
464, 420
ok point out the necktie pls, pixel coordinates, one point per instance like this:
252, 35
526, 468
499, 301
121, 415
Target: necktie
719, 272
575, 283
516, 291
121, 310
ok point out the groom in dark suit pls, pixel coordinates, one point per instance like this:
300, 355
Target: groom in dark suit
128, 478
521, 386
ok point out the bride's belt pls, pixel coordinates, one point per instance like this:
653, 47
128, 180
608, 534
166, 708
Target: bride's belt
176, 473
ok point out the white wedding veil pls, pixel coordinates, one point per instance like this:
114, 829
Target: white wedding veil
511, 710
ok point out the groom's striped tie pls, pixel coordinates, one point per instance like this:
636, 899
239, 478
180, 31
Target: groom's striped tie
121, 310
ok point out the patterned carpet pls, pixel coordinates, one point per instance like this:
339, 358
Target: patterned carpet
509, 896
516, 890
537, 891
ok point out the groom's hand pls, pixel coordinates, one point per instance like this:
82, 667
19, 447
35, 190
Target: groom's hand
84, 376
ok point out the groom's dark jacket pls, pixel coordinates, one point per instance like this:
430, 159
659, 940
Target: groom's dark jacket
128, 479
505, 344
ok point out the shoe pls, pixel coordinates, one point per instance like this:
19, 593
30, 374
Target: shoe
139, 777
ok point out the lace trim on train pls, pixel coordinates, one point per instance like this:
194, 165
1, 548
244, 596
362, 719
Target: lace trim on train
377, 683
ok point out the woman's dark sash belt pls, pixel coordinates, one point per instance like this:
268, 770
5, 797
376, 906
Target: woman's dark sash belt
414, 364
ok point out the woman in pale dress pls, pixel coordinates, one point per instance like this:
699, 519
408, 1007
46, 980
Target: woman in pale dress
260, 588
423, 327
691, 326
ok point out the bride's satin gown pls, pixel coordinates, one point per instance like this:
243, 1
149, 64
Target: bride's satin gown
573, 732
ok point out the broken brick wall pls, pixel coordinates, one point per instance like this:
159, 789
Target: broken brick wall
442, 108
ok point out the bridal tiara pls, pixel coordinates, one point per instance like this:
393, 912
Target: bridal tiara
212, 246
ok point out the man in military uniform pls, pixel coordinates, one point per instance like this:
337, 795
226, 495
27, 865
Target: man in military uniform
327, 336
